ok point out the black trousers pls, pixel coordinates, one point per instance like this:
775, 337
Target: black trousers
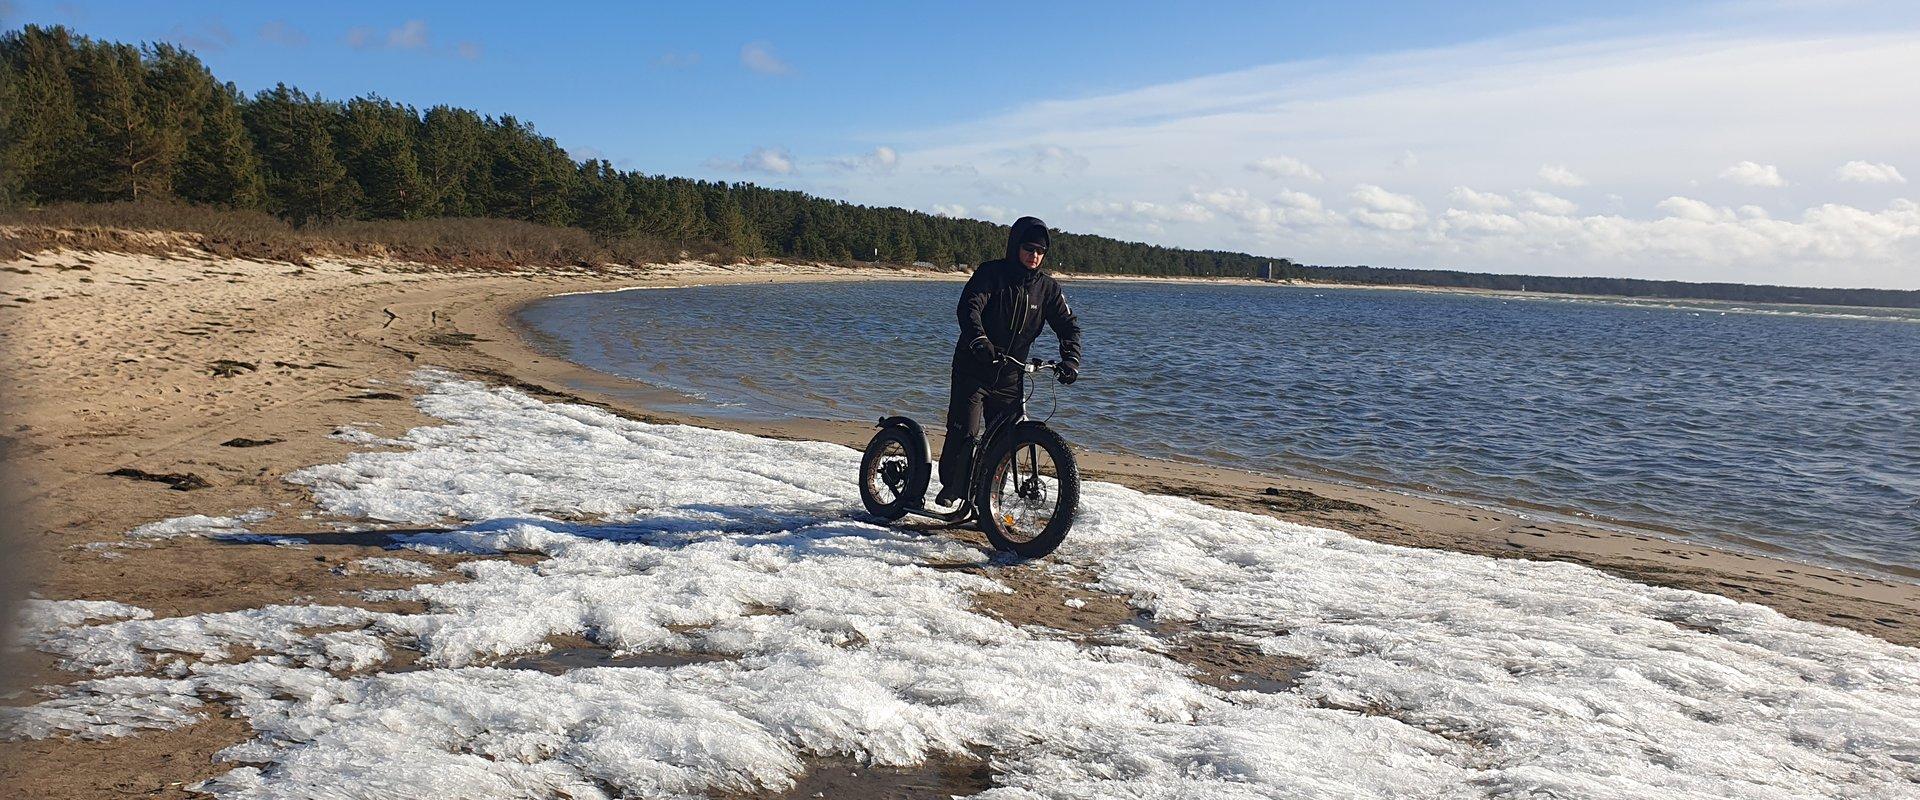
973, 402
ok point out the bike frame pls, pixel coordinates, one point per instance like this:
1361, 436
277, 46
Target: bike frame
1001, 425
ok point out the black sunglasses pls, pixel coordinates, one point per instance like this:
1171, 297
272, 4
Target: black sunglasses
1035, 249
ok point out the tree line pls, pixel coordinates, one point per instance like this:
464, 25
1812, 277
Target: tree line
83, 120
95, 121
1620, 287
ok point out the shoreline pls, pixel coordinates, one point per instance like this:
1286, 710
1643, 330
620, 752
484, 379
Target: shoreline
125, 372
653, 399
1391, 515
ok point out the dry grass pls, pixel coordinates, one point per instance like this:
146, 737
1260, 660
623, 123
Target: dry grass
164, 227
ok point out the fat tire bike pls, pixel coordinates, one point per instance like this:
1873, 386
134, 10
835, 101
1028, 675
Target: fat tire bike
1023, 486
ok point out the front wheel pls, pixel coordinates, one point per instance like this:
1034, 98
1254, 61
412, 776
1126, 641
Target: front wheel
1029, 492
893, 473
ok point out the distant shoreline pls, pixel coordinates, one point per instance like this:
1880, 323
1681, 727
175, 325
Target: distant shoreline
1507, 293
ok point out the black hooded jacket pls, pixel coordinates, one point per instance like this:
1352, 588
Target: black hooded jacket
1006, 303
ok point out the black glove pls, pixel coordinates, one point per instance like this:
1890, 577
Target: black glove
984, 351
1067, 372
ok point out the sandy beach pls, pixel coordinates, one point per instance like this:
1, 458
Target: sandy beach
144, 387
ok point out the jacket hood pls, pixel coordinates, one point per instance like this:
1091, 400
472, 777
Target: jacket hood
1026, 229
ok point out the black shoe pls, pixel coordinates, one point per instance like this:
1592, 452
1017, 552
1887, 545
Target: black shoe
946, 499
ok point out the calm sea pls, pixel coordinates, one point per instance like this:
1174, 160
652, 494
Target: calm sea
1790, 429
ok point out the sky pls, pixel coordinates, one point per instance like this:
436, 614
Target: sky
1758, 142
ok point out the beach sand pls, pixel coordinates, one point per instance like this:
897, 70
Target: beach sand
203, 381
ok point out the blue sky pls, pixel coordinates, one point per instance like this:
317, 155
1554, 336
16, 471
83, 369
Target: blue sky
1415, 134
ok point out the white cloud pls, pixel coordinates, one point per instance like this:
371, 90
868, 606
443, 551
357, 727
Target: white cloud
1749, 173
1687, 208
955, 211
1289, 209
1480, 222
411, 35
1299, 201
1407, 160
993, 213
1047, 158
759, 57
1549, 203
1141, 210
1385, 210
1284, 167
1375, 198
1463, 197
1869, 172
1559, 175
1001, 188
1379, 208
880, 159
768, 160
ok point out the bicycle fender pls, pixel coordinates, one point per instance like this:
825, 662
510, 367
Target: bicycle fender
917, 433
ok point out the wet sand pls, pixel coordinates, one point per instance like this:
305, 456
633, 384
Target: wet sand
203, 381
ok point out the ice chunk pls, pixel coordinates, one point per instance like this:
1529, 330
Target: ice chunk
201, 525
394, 566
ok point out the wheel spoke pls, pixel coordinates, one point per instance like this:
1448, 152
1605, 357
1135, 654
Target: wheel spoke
1024, 496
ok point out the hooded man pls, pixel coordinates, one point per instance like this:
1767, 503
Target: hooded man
1001, 311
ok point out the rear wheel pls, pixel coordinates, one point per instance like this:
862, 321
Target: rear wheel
1029, 492
893, 473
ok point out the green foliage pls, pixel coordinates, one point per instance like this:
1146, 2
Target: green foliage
448, 153
376, 138
304, 178
220, 166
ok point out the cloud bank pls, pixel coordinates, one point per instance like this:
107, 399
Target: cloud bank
1656, 156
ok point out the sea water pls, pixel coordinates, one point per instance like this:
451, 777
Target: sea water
1793, 429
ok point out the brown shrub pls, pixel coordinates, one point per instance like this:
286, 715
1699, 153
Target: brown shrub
170, 227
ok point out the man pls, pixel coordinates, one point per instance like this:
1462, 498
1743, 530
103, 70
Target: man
1001, 311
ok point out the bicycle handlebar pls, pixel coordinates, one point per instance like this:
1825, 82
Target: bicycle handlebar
1031, 367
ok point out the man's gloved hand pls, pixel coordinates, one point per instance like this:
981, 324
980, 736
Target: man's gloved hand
984, 351
1067, 372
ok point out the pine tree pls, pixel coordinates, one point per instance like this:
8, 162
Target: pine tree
899, 246
305, 181
532, 177
602, 201
450, 162
128, 153
376, 145
40, 121
220, 166
214, 162
731, 229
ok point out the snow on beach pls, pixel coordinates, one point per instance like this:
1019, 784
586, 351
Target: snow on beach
1433, 674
